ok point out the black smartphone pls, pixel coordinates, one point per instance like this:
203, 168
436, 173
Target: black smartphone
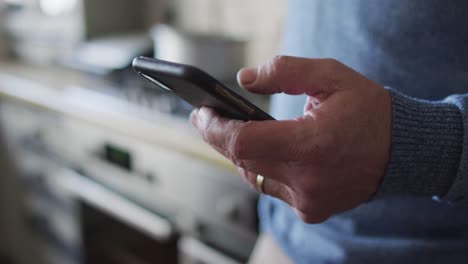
198, 88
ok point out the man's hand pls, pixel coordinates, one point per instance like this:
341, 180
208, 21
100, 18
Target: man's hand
329, 160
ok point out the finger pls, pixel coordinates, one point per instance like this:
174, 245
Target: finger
311, 104
292, 75
214, 128
193, 118
270, 186
278, 190
275, 140
286, 194
312, 218
249, 177
274, 170
221, 133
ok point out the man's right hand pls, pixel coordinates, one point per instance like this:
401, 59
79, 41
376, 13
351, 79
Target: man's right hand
329, 160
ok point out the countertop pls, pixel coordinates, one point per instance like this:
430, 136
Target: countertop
63, 90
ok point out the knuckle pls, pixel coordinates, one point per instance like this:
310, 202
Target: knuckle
237, 145
208, 131
207, 135
237, 149
278, 64
331, 65
331, 70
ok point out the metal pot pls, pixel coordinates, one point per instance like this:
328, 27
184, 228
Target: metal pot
219, 56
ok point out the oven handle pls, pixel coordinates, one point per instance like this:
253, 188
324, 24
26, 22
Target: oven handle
115, 205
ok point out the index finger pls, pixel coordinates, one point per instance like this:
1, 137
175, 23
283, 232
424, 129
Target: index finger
279, 141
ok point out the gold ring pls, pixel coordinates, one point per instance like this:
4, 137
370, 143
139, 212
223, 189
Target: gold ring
260, 182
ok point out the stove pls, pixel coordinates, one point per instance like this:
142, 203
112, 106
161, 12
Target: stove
109, 186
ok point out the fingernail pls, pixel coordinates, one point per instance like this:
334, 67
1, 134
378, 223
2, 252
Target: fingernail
194, 117
247, 76
203, 115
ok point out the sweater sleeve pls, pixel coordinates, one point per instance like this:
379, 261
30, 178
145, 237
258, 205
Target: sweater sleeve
429, 149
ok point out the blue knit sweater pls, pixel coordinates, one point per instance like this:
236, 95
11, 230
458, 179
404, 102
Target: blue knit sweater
419, 48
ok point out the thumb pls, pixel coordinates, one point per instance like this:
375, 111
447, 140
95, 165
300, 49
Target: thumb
292, 75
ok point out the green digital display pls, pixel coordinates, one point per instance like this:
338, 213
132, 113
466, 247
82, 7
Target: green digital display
118, 156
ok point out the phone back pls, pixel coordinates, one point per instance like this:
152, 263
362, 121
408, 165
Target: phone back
198, 88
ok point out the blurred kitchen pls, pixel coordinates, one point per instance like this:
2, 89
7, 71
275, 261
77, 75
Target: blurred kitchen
98, 165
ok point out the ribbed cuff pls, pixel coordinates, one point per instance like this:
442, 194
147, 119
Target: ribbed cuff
427, 140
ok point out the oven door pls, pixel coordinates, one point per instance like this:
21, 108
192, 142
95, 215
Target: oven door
193, 251
116, 230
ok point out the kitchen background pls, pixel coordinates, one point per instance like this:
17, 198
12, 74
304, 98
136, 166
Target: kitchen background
99, 166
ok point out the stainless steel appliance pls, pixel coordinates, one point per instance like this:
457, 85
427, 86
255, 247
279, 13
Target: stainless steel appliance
221, 56
97, 195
